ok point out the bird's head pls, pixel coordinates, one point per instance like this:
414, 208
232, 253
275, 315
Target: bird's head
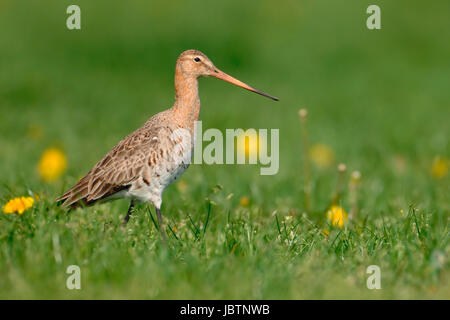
193, 63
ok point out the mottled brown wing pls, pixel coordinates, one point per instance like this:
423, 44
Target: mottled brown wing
124, 164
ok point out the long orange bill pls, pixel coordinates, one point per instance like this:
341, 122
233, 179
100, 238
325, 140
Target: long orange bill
223, 76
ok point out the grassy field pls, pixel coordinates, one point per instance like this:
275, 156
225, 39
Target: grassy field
378, 100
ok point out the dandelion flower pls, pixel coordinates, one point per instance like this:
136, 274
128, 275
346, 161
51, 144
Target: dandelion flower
52, 164
249, 144
321, 155
337, 216
18, 205
439, 168
244, 201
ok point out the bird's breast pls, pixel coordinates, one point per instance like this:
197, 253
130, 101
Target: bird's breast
176, 157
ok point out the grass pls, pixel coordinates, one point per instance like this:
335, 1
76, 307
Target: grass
379, 99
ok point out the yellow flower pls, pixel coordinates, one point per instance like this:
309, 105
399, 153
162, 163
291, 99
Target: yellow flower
321, 155
18, 205
439, 168
337, 216
249, 144
244, 201
52, 164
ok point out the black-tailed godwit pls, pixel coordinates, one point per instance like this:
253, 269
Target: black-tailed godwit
148, 160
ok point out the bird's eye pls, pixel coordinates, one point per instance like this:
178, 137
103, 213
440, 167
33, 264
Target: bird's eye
196, 59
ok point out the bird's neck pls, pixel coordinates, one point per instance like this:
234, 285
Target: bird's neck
187, 102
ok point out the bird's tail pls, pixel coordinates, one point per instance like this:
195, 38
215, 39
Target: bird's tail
75, 196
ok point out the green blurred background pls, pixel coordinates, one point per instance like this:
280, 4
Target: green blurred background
370, 94
373, 96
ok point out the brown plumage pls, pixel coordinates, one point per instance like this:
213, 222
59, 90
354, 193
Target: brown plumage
145, 162
122, 166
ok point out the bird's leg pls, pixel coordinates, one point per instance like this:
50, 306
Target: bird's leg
160, 223
130, 210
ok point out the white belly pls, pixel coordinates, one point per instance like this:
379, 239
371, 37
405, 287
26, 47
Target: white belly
169, 169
